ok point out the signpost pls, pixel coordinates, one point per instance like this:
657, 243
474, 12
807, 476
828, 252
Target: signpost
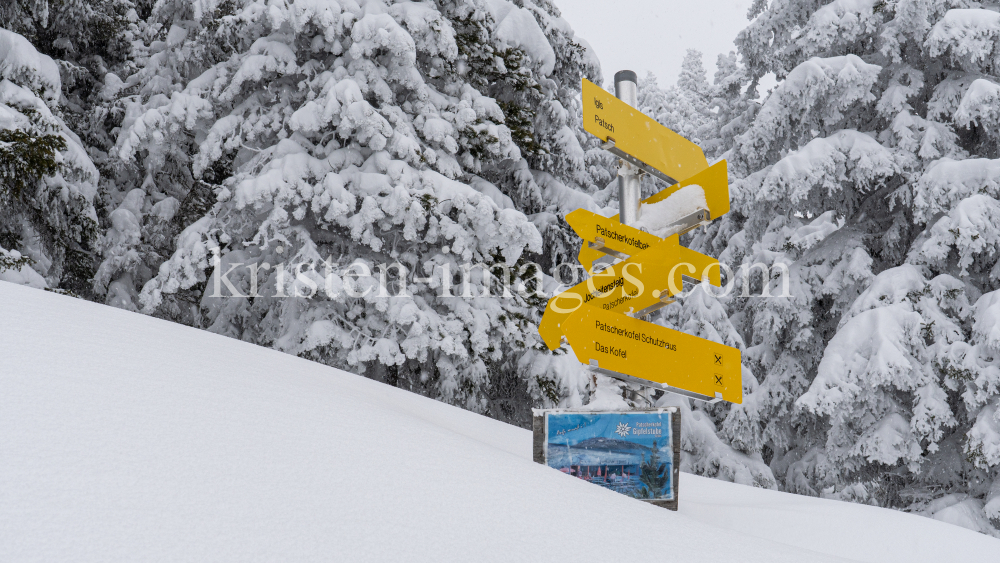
633, 273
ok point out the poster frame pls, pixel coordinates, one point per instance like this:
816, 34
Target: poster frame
540, 432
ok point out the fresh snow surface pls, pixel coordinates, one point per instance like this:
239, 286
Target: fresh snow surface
23, 275
657, 217
128, 438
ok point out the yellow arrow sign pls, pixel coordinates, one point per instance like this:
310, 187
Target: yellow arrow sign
689, 263
634, 284
613, 235
714, 180
696, 265
640, 349
622, 239
639, 136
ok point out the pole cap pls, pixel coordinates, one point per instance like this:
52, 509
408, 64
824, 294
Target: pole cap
626, 76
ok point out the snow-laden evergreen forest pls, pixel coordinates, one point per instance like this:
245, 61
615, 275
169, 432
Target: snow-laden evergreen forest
278, 171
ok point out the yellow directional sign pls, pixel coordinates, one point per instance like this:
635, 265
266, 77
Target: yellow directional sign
637, 283
714, 180
626, 345
689, 263
609, 234
635, 134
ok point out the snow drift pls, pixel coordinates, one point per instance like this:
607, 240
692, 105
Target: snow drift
125, 437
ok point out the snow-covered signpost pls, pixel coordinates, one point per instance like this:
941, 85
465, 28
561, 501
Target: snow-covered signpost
637, 263
636, 266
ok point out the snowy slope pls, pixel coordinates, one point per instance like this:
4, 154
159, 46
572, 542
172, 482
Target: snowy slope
127, 438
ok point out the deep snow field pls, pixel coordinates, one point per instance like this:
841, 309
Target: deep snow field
127, 438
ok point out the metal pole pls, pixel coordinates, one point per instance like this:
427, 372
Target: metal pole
627, 90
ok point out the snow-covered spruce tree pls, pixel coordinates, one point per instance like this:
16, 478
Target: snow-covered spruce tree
684, 107
47, 181
153, 196
539, 101
149, 195
351, 139
86, 39
731, 106
23, 16
868, 174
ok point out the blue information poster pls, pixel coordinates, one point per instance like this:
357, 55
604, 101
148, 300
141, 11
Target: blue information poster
628, 452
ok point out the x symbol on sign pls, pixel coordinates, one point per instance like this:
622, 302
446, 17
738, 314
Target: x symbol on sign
718, 379
718, 359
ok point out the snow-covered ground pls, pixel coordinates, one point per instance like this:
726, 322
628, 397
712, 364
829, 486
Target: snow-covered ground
127, 438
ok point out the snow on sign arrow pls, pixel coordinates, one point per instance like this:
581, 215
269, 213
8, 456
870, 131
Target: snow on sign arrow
599, 233
638, 138
685, 364
714, 182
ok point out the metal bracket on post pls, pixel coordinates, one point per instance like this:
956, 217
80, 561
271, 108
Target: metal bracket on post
689, 222
598, 245
610, 147
664, 300
600, 264
594, 369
